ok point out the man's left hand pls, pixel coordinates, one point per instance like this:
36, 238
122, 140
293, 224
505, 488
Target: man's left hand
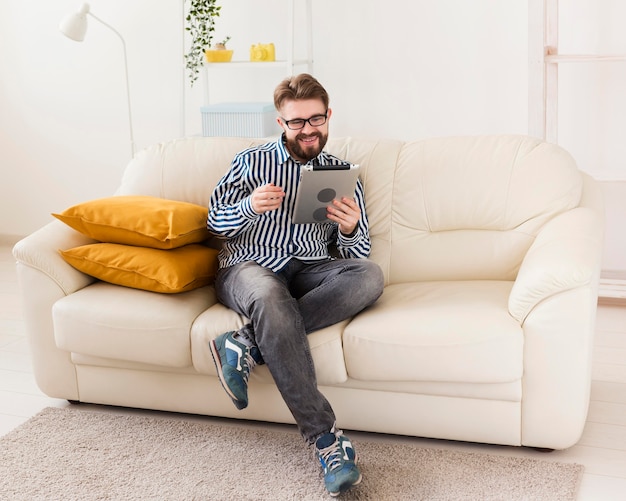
346, 213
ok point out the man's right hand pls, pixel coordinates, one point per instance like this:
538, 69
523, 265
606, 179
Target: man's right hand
266, 198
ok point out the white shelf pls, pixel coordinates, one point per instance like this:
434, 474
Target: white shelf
584, 58
288, 65
256, 65
543, 85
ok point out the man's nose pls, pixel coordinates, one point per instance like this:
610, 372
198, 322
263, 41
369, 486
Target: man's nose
308, 127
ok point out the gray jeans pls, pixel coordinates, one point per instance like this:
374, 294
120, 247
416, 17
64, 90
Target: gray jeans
284, 307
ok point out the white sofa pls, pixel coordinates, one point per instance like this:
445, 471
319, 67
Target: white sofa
491, 250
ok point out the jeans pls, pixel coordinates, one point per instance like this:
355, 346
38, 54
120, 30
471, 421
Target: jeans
284, 307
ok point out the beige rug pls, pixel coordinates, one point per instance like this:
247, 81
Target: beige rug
78, 453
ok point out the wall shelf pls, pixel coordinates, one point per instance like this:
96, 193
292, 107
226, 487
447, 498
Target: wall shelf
232, 65
543, 74
543, 66
583, 58
289, 64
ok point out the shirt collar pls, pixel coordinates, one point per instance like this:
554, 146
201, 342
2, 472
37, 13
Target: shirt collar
283, 154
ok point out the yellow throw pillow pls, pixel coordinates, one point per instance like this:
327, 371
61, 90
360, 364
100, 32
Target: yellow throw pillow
156, 270
139, 220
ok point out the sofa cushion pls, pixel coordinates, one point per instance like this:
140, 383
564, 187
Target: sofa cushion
170, 271
139, 220
325, 345
437, 331
108, 321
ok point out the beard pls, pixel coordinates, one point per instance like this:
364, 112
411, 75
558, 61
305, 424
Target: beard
306, 153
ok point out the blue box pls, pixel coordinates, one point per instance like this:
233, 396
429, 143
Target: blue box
240, 120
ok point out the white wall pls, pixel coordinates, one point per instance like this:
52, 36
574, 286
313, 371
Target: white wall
401, 69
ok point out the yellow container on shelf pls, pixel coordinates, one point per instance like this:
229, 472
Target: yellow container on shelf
218, 55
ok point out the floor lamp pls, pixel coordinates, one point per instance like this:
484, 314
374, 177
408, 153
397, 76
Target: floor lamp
74, 26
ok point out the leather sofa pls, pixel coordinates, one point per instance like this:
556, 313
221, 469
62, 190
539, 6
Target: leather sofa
491, 250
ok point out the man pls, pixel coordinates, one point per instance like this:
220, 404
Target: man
281, 276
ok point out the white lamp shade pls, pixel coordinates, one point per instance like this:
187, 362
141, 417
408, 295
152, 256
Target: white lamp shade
74, 26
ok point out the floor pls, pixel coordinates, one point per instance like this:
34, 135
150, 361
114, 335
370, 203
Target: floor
602, 449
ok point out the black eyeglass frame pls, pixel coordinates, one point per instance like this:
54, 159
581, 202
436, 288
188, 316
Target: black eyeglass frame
304, 121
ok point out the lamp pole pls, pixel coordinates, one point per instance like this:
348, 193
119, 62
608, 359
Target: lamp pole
74, 26
130, 115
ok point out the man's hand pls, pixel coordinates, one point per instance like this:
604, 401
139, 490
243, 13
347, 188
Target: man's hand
266, 198
346, 213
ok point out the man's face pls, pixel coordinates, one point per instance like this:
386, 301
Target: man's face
308, 142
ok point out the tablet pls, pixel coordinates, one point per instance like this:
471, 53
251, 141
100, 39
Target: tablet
319, 186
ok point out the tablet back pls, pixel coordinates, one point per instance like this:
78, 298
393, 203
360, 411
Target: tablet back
319, 186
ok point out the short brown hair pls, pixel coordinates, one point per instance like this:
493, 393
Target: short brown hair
299, 87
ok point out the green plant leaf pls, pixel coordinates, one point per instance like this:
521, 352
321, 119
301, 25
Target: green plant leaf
200, 25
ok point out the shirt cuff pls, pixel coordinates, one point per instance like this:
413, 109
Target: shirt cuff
247, 210
348, 240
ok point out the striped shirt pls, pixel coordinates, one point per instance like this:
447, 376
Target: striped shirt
272, 239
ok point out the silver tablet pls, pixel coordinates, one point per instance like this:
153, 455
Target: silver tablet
319, 186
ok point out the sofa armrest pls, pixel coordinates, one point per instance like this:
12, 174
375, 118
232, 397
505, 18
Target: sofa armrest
40, 251
555, 298
44, 277
566, 254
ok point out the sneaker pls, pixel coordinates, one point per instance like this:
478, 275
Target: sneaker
338, 459
234, 358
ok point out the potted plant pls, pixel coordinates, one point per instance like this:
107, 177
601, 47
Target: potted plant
219, 53
200, 25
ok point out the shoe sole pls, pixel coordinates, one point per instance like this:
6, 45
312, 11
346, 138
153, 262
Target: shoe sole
220, 375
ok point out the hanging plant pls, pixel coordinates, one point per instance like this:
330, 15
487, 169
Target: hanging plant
200, 25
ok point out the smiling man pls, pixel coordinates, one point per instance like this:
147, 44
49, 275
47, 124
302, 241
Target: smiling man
281, 275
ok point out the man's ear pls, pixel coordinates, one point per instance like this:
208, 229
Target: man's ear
329, 113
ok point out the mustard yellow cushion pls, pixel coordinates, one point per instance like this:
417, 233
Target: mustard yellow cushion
139, 220
157, 270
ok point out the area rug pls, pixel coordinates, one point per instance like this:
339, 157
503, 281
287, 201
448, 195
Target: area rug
77, 454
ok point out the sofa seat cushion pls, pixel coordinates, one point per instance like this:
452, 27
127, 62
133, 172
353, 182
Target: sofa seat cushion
506, 392
325, 345
437, 331
108, 321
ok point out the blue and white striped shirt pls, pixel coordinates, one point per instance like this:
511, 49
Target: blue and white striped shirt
272, 239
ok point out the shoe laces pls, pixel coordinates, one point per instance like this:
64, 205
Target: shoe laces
332, 454
249, 364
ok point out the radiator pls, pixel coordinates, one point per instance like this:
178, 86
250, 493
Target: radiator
240, 120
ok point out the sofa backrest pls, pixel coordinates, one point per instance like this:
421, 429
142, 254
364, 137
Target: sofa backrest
461, 208
182, 169
453, 208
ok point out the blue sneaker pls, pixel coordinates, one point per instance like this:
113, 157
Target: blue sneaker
338, 459
234, 358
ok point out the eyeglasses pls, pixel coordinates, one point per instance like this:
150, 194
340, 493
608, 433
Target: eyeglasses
298, 123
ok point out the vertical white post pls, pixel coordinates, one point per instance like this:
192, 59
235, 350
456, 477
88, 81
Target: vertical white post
206, 88
536, 69
183, 79
291, 13
552, 70
543, 77
309, 31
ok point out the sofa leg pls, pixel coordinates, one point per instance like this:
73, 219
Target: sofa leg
74, 402
543, 449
